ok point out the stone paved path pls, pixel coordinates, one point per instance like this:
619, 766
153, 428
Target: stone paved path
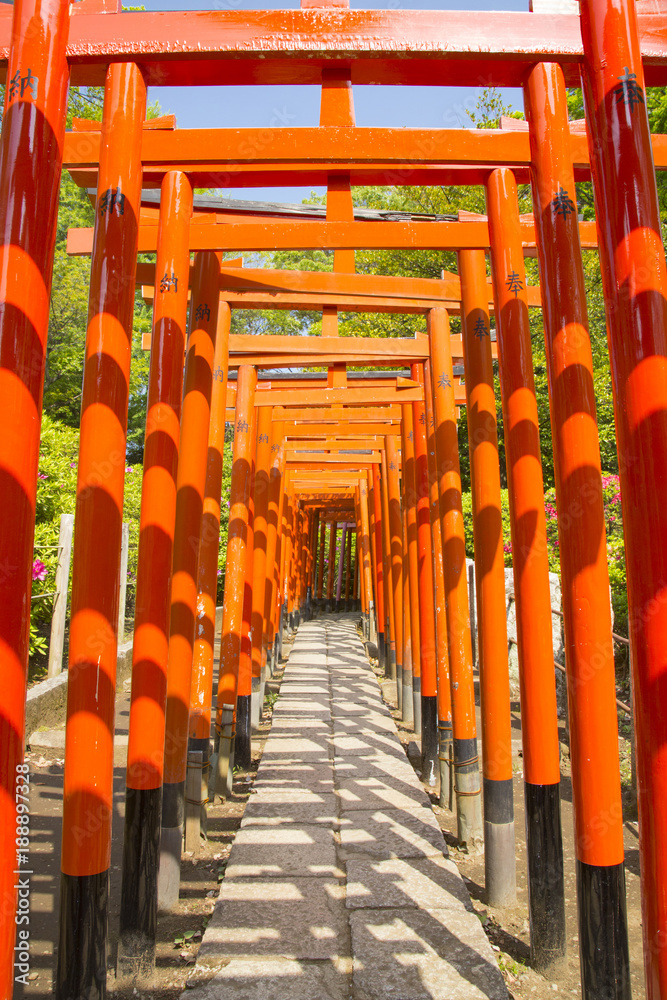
338, 885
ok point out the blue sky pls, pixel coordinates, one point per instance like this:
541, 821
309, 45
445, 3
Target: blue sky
220, 107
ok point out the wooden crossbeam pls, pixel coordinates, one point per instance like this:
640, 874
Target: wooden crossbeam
392, 47
288, 235
254, 157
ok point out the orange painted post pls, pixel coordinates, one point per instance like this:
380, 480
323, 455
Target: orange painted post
499, 840
444, 695
191, 487
150, 651
348, 572
410, 499
243, 729
31, 150
288, 571
356, 573
589, 654
390, 625
320, 566
272, 522
634, 280
366, 567
261, 494
396, 542
539, 723
235, 575
88, 785
378, 550
341, 564
407, 701
466, 760
201, 691
278, 610
429, 722
314, 535
331, 565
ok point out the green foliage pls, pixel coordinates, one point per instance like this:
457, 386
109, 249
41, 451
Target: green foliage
466, 505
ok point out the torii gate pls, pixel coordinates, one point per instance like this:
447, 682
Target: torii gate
615, 48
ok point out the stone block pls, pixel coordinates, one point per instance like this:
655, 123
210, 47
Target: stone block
390, 833
427, 883
298, 918
380, 793
411, 954
281, 852
274, 979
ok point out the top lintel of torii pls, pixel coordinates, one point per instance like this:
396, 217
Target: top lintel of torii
390, 47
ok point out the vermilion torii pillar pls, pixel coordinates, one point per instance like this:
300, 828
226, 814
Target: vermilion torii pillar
272, 540
406, 702
390, 623
191, 487
396, 553
88, 785
201, 688
30, 152
243, 728
635, 286
589, 654
444, 691
410, 502
499, 839
427, 655
235, 575
150, 651
539, 721
261, 508
377, 548
320, 565
466, 759
331, 565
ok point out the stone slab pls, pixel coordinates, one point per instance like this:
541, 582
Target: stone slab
298, 918
274, 979
281, 852
263, 812
297, 746
379, 793
371, 722
412, 954
390, 833
375, 765
427, 883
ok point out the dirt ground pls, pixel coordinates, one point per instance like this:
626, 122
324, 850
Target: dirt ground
508, 929
179, 933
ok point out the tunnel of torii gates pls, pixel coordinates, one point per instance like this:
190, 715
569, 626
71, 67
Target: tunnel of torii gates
373, 451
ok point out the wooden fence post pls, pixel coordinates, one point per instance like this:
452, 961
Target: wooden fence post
60, 600
124, 552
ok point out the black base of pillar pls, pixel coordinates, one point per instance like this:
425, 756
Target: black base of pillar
138, 898
603, 932
546, 883
82, 943
382, 652
243, 742
429, 740
391, 664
